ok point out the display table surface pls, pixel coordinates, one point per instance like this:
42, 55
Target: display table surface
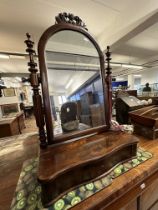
123, 189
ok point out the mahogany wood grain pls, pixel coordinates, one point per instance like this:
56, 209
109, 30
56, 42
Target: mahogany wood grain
81, 161
37, 99
130, 206
145, 121
63, 25
150, 197
123, 190
139, 116
61, 162
126, 187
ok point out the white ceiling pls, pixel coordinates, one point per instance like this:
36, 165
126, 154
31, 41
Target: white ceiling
104, 18
141, 49
147, 39
109, 21
19, 16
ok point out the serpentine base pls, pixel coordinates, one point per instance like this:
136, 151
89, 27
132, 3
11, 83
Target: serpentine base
28, 191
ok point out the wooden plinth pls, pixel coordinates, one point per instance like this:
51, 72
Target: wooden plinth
65, 166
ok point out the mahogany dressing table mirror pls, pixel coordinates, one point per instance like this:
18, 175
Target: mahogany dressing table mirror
76, 144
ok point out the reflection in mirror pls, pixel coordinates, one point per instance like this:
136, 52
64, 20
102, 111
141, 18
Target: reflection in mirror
75, 86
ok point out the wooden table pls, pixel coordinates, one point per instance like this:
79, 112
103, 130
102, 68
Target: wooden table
137, 189
10, 126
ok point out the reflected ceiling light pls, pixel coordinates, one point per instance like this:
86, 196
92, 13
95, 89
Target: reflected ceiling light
18, 78
131, 66
4, 56
17, 57
86, 39
68, 84
116, 64
137, 75
120, 79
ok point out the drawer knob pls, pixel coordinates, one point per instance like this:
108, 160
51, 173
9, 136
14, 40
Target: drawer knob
142, 186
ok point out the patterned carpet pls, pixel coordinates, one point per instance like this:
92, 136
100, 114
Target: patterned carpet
28, 192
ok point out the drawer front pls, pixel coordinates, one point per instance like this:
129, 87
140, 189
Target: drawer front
131, 206
149, 199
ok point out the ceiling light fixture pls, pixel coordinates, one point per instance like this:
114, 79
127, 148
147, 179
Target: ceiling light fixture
120, 79
131, 66
68, 84
17, 57
4, 56
18, 78
116, 64
137, 75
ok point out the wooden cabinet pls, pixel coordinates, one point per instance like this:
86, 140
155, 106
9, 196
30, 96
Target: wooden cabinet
131, 206
86, 100
149, 199
12, 126
144, 196
97, 114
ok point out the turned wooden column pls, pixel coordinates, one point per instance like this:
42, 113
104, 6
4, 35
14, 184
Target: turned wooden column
108, 81
34, 79
1, 92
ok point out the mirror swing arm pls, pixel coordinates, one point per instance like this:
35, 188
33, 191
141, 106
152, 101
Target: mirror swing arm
85, 159
69, 22
64, 21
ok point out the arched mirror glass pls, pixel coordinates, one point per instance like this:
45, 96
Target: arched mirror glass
74, 83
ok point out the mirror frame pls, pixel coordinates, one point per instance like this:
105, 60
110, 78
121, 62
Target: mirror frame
69, 22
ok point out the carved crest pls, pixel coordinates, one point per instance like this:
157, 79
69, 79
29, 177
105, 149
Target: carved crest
70, 18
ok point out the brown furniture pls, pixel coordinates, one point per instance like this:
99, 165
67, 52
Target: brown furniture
86, 100
145, 121
97, 114
82, 161
69, 120
124, 104
9, 109
134, 190
69, 160
12, 126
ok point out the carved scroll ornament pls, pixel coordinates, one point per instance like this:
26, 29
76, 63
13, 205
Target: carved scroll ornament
70, 18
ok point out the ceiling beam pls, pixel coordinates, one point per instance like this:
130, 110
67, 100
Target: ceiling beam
137, 30
14, 74
13, 53
72, 69
70, 54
